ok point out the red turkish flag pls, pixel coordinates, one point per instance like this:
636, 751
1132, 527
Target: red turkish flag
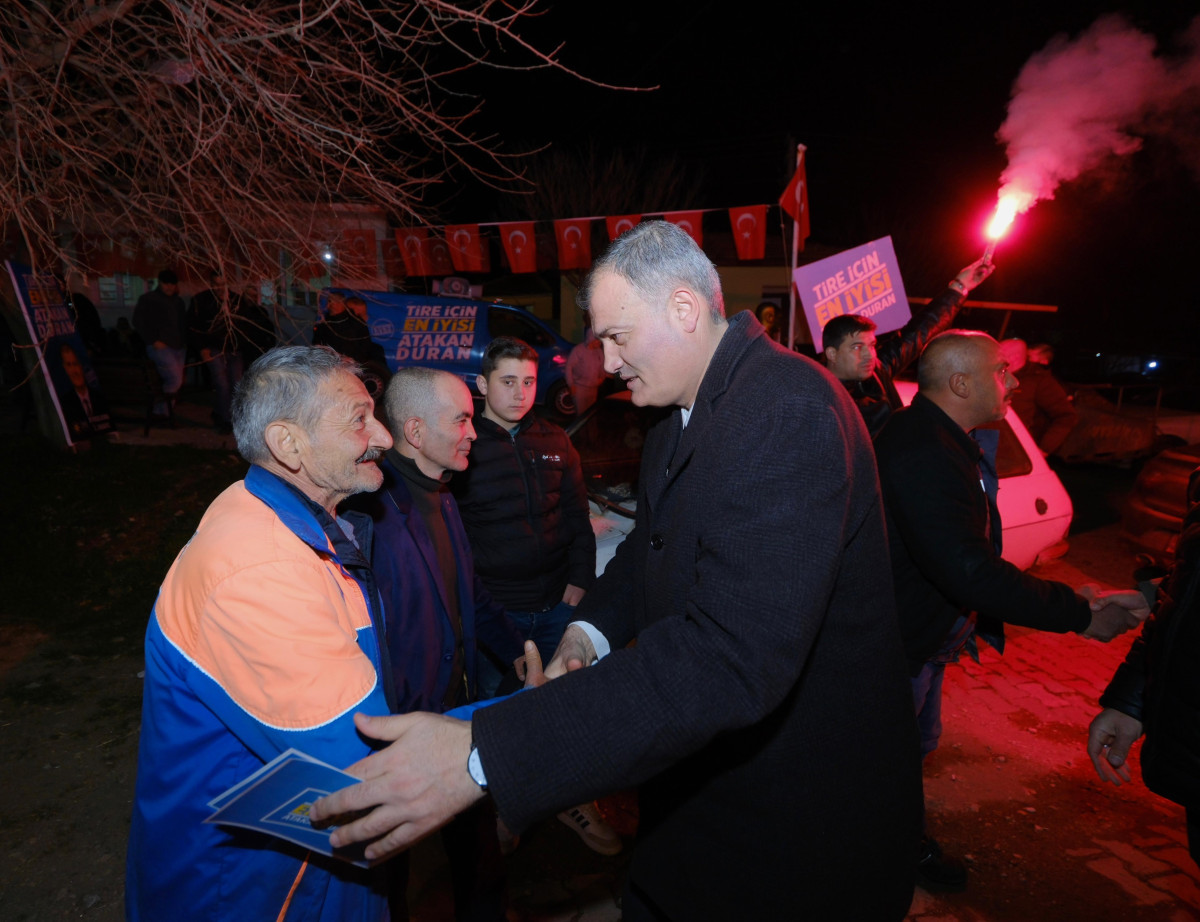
690, 222
466, 251
439, 257
574, 236
795, 200
749, 230
356, 255
519, 245
619, 223
414, 250
393, 257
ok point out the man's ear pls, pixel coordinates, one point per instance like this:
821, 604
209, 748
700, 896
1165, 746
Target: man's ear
830, 354
481, 383
685, 305
283, 441
960, 384
413, 429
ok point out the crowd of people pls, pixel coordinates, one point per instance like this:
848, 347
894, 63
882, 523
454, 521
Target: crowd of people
762, 660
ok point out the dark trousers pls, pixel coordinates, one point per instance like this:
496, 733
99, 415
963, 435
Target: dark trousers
476, 869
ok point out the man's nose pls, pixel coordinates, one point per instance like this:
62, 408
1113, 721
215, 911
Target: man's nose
612, 361
380, 437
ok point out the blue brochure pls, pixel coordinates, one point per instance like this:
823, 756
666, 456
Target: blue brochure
276, 800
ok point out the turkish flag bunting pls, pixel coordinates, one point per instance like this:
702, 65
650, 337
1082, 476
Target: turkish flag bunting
795, 202
393, 258
519, 245
439, 256
749, 230
574, 236
465, 250
619, 223
357, 253
414, 249
690, 222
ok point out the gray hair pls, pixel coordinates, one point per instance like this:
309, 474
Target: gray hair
412, 392
282, 385
655, 257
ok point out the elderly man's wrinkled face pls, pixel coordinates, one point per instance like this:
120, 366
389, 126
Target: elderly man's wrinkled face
641, 343
340, 454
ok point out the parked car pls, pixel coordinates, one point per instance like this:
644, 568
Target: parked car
1034, 506
451, 334
1152, 518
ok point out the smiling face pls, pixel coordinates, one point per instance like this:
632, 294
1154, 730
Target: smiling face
338, 456
446, 433
854, 359
508, 391
643, 343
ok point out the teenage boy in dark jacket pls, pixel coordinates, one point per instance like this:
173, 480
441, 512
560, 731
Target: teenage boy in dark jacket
524, 505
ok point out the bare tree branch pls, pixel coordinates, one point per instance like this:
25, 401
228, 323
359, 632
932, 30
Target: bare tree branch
222, 132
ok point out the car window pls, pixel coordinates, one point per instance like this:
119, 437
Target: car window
1011, 458
508, 322
609, 441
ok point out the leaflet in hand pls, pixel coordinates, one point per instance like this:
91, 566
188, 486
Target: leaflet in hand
276, 800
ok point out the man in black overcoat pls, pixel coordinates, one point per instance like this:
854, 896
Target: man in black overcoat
764, 710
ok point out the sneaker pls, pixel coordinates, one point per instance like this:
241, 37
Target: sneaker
596, 834
939, 873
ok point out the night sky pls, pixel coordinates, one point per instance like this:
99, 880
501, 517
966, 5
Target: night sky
899, 110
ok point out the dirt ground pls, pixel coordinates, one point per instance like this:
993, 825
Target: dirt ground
1012, 785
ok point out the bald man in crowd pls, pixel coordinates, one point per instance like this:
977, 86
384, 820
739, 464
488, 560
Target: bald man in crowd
937, 469
438, 612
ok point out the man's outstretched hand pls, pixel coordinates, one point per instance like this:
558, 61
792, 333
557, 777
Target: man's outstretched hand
411, 788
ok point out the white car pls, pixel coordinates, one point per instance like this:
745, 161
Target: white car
1034, 505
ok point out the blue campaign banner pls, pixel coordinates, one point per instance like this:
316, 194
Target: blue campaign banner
72, 381
864, 280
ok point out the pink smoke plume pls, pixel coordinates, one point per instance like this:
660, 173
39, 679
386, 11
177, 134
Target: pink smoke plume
1078, 102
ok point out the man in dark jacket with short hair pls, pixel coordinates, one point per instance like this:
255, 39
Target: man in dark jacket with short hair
525, 508
939, 494
523, 501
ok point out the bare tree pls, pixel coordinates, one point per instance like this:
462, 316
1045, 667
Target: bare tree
222, 132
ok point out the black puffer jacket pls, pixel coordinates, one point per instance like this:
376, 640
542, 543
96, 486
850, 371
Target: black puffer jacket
524, 505
1159, 683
